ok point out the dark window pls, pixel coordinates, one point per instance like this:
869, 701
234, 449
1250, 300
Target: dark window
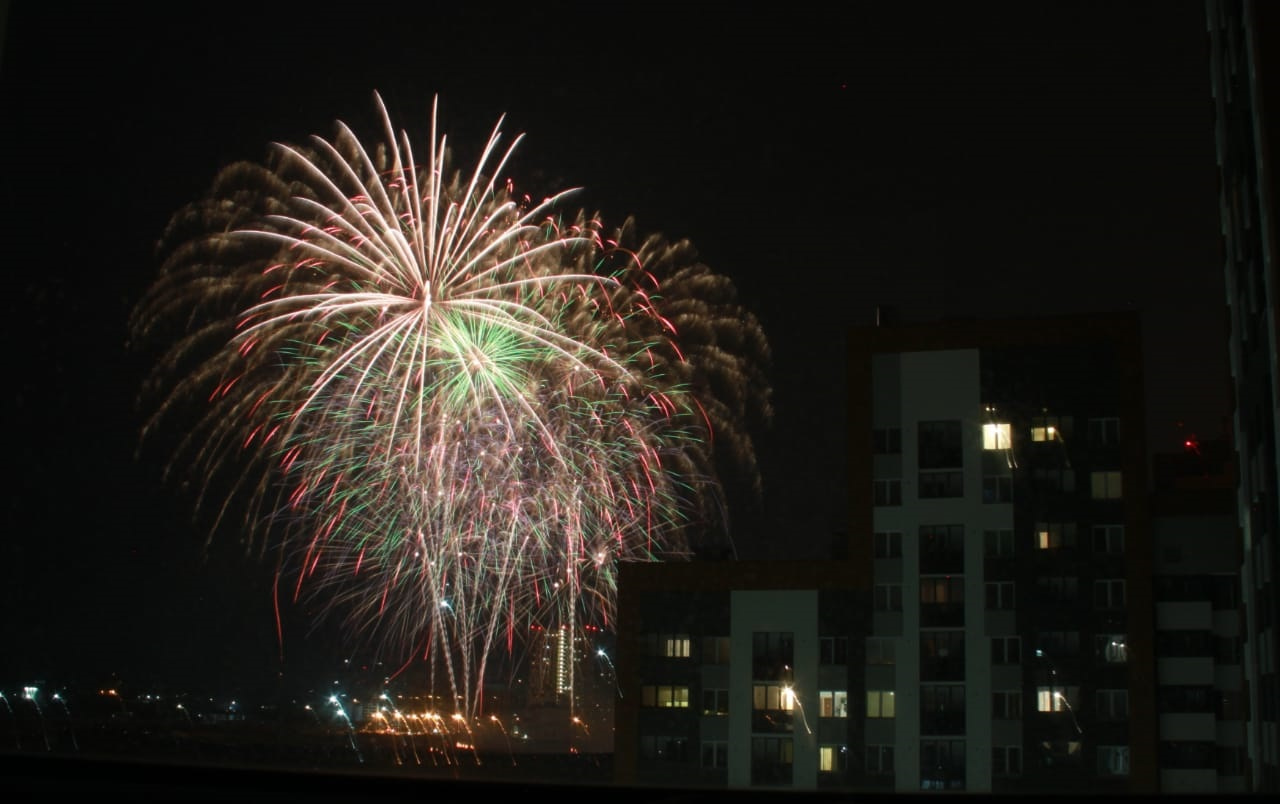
940, 446
935, 485
772, 655
771, 759
886, 441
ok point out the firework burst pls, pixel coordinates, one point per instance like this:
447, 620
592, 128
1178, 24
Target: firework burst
448, 411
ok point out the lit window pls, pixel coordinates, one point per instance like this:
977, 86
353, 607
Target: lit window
1106, 485
673, 697
880, 703
776, 697
1056, 698
1055, 535
834, 703
833, 758
997, 436
676, 646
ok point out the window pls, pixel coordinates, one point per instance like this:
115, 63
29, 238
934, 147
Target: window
1006, 704
665, 697
715, 702
1006, 650
1054, 480
880, 650
1006, 760
1108, 539
1186, 698
676, 646
942, 589
935, 485
888, 544
998, 489
886, 492
886, 441
1111, 648
1000, 595
671, 749
715, 754
998, 542
1053, 644
715, 650
941, 548
997, 436
940, 446
1113, 760
771, 759
880, 703
1104, 432
879, 760
833, 650
1055, 535
942, 709
772, 705
1050, 428
942, 764
1108, 593
1058, 588
1111, 705
833, 703
833, 758
1105, 485
888, 597
942, 655
772, 655
1057, 698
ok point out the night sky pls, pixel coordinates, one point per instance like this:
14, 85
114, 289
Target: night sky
941, 159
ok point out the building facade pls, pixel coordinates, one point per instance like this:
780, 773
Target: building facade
1242, 68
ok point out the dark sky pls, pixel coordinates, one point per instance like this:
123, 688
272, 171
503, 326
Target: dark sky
943, 159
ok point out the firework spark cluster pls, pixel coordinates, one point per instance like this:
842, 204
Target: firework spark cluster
449, 411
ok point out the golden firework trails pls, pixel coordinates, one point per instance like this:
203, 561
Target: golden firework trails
452, 412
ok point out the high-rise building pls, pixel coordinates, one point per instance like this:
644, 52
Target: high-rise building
992, 628
1243, 67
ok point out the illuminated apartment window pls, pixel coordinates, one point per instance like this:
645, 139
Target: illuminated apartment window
879, 760
833, 758
1057, 698
1055, 535
1006, 760
833, 703
997, 436
1108, 593
1113, 760
772, 697
1105, 485
1050, 428
672, 697
880, 703
888, 544
1108, 539
676, 646
1111, 648
998, 542
1111, 705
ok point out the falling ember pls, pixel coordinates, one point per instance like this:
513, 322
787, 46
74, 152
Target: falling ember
465, 393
